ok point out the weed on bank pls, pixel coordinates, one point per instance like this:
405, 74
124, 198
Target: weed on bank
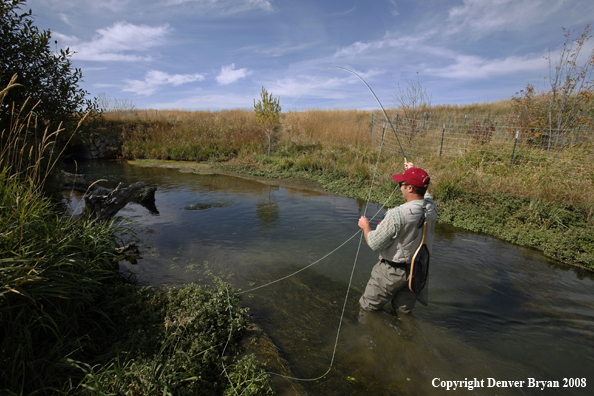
68, 322
69, 325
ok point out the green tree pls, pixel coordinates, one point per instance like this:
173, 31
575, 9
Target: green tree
268, 113
48, 82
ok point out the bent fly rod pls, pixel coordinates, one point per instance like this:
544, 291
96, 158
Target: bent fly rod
378, 102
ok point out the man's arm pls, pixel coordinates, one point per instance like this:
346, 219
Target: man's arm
364, 225
383, 236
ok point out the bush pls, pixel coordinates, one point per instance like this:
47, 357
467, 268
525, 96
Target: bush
176, 342
48, 82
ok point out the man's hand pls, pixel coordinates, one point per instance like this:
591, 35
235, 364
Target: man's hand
408, 165
364, 223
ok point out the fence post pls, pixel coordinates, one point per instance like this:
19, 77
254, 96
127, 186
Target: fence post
514, 152
424, 119
442, 133
371, 125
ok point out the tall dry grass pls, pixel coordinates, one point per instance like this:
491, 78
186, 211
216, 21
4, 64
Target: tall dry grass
339, 142
328, 127
194, 136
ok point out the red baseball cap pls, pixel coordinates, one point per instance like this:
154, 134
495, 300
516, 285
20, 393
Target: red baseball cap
415, 176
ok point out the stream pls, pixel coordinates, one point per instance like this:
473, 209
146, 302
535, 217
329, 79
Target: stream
501, 319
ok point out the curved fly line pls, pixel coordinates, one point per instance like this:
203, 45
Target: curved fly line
332, 252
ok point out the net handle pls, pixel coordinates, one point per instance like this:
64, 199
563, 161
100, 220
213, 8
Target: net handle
412, 264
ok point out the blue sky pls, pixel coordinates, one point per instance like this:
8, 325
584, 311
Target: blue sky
217, 54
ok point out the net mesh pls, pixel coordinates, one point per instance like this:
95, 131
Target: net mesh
419, 274
419, 270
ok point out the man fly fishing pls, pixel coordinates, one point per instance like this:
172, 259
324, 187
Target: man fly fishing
399, 237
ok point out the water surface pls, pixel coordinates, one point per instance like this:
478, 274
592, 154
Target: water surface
497, 311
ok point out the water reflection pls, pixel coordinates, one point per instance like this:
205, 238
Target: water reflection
495, 310
267, 210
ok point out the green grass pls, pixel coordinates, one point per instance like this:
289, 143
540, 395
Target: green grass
475, 193
52, 272
180, 341
68, 322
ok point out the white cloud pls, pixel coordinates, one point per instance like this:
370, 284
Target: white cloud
329, 82
225, 7
474, 67
394, 8
389, 41
279, 50
64, 18
114, 6
119, 42
105, 85
229, 74
155, 79
478, 17
209, 101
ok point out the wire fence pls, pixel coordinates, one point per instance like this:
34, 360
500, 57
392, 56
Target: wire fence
497, 138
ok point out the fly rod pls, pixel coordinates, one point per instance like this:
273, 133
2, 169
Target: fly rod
378, 102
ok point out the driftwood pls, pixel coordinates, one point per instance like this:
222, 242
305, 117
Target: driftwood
104, 203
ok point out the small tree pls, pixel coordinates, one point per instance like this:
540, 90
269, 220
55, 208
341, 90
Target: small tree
413, 99
568, 101
268, 113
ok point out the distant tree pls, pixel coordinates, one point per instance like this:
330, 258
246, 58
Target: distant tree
268, 113
48, 82
413, 99
568, 101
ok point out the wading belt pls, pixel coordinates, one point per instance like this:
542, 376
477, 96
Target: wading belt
394, 264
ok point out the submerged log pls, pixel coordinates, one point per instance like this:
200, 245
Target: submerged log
104, 203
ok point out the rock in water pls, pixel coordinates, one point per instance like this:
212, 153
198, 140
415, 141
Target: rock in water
207, 205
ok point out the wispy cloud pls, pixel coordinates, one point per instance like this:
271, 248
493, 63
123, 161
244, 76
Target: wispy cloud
64, 18
279, 50
394, 8
224, 7
390, 40
481, 17
111, 5
229, 74
475, 67
328, 83
120, 42
155, 79
209, 101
